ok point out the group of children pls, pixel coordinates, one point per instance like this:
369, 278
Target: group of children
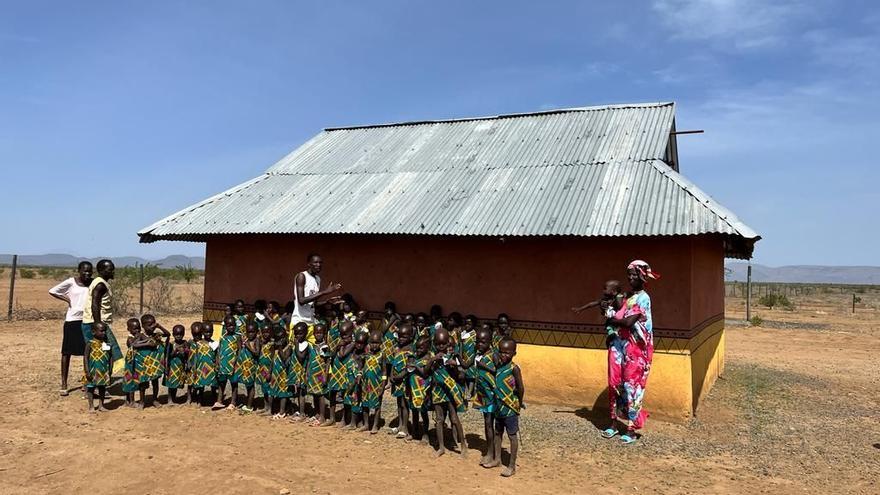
429, 363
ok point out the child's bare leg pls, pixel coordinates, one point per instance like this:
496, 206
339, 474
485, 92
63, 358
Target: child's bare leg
376, 417
90, 395
458, 429
155, 383
499, 437
510, 469
439, 426
331, 411
489, 431
221, 394
141, 393
424, 437
233, 395
250, 397
102, 393
403, 415
416, 419
364, 419
267, 405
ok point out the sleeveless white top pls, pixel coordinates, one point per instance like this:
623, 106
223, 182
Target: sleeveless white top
305, 312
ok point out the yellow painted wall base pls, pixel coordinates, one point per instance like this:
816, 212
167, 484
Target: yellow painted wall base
680, 375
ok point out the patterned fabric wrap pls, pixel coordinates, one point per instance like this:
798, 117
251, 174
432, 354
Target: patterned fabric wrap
245, 367
340, 379
240, 324
130, 378
506, 401
372, 384
418, 386
467, 349
446, 390
159, 355
146, 364
484, 388
99, 365
229, 345
192, 374
175, 371
316, 382
297, 374
264, 367
333, 335
398, 365
629, 361
280, 370
389, 343
352, 395
205, 369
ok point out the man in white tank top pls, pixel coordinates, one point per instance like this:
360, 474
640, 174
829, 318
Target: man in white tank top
307, 292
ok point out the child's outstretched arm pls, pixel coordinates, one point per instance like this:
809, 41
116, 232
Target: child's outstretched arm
591, 304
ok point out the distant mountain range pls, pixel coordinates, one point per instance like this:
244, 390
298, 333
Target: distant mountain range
813, 274
197, 262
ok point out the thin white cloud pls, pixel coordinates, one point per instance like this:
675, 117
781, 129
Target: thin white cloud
736, 24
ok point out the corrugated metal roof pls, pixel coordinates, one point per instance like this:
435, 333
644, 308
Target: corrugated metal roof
580, 172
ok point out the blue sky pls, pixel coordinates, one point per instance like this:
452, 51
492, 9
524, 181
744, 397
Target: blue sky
142, 108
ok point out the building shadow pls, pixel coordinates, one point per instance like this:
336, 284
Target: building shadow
597, 414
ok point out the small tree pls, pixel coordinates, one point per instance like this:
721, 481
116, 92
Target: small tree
27, 273
186, 272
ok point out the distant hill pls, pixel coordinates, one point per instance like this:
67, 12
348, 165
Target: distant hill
197, 262
806, 274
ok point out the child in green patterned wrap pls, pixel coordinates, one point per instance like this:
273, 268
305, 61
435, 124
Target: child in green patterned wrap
141, 346
373, 381
227, 356
467, 349
246, 366
338, 373
299, 363
484, 388
419, 387
177, 359
279, 390
98, 366
509, 391
264, 366
154, 361
403, 351
194, 392
446, 393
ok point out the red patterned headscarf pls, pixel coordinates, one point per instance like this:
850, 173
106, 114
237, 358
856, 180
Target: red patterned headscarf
644, 270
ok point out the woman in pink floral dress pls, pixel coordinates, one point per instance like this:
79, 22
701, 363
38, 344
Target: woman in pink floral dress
630, 353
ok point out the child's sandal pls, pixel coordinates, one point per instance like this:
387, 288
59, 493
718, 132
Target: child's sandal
609, 433
628, 438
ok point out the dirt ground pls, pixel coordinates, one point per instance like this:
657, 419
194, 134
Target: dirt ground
796, 411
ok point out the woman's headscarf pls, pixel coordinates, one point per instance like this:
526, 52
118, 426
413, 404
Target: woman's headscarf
644, 270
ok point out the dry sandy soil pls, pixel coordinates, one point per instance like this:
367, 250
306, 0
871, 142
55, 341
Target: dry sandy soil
795, 412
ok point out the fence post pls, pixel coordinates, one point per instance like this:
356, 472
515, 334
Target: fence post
854, 304
12, 286
749, 294
141, 312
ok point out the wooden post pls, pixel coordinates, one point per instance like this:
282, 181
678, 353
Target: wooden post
12, 286
142, 290
854, 304
749, 294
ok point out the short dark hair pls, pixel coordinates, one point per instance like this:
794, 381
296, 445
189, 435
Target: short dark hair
83, 264
310, 256
103, 264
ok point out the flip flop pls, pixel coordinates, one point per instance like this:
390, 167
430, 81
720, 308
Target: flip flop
609, 433
626, 439
64, 392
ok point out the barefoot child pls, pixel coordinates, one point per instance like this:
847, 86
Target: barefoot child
373, 382
205, 362
333, 323
467, 351
227, 355
193, 395
279, 389
176, 359
609, 302
140, 345
298, 364
131, 379
418, 386
240, 316
339, 377
264, 366
316, 372
446, 393
484, 389
246, 367
403, 353
509, 391
351, 401
154, 359
98, 367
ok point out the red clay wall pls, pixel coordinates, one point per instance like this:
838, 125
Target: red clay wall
536, 279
